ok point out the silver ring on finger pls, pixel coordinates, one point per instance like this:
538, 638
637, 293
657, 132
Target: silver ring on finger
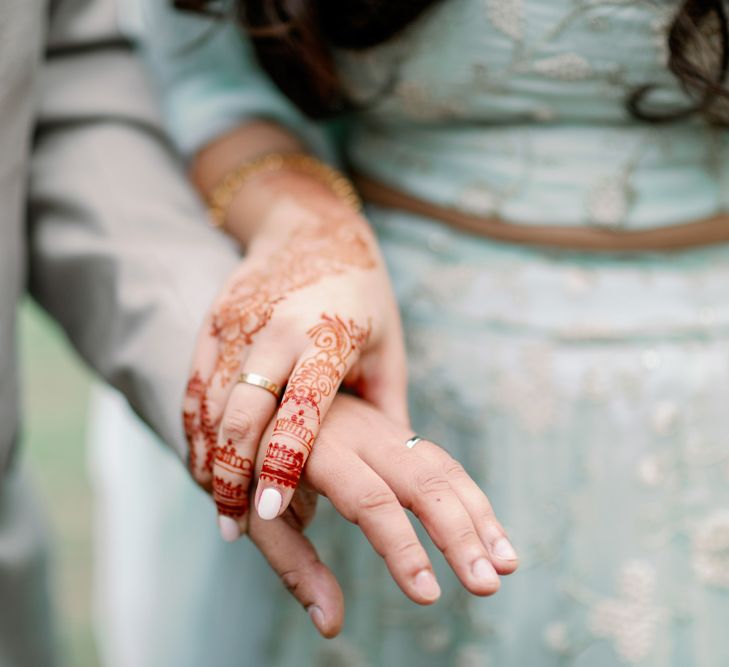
411, 442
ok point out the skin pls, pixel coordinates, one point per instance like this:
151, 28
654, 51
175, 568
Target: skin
311, 307
310, 390
360, 463
312, 277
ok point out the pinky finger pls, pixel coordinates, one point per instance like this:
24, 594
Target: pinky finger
490, 530
198, 425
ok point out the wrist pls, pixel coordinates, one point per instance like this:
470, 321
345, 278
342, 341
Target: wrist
275, 202
253, 185
291, 209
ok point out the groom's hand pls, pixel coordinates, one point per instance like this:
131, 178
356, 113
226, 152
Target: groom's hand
362, 465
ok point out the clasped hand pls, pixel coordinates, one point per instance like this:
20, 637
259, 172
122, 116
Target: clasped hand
361, 464
311, 307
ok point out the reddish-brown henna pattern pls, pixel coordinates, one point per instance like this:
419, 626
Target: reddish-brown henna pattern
312, 252
282, 465
316, 378
228, 459
198, 423
190, 424
231, 499
193, 428
209, 431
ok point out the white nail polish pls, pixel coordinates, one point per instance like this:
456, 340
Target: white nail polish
229, 529
269, 504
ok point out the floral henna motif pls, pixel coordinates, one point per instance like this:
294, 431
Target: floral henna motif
317, 378
231, 499
320, 375
312, 253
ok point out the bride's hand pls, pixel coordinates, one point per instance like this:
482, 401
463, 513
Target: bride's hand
308, 308
361, 464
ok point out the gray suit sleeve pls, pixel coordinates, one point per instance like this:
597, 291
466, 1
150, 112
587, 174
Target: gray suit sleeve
121, 254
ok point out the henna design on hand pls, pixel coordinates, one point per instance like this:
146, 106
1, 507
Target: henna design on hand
229, 460
312, 252
198, 423
317, 378
231, 499
282, 465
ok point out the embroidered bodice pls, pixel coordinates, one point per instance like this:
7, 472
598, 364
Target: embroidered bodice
514, 108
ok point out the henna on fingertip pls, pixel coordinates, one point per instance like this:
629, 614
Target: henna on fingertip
337, 343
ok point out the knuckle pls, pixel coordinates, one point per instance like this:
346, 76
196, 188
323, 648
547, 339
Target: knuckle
378, 500
283, 326
292, 580
407, 549
465, 535
462, 542
431, 483
237, 425
454, 469
485, 514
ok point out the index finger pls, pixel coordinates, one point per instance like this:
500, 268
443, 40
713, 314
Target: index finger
336, 346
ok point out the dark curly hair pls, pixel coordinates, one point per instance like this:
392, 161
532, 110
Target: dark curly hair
293, 41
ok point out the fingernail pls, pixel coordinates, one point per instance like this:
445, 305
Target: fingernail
269, 504
484, 571
426, 585
503, 549
229, 529
316, 615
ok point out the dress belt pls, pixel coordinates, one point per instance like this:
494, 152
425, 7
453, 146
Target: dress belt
703, 232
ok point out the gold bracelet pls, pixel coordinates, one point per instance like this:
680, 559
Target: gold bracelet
223, 193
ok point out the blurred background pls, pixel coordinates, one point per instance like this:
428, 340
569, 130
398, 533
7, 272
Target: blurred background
56, 394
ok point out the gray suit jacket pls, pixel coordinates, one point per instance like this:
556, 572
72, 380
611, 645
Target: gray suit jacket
107, 235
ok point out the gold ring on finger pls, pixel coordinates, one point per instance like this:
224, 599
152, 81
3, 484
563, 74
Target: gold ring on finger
263, 382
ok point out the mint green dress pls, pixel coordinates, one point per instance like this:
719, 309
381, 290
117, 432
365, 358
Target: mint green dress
587, 394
